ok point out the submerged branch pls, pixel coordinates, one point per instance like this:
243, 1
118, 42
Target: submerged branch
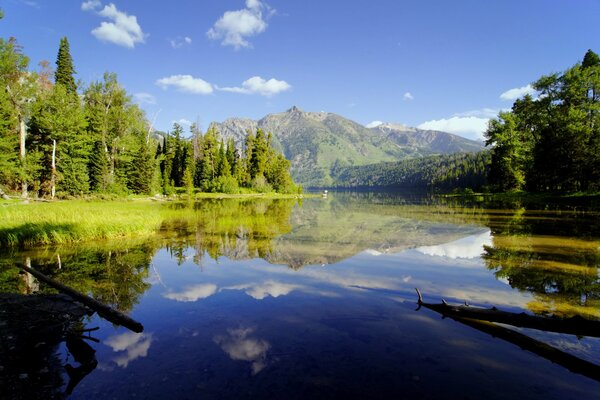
106, 312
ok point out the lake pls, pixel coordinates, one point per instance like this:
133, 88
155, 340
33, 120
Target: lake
316, 298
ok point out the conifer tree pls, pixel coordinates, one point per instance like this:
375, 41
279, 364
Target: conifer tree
64, 67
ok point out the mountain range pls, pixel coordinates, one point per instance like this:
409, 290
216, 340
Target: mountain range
318, 142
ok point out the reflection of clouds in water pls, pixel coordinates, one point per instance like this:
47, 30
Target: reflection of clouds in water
483, 295
467, 247
130, 345
193, 293
239, 346
268, 288
373, 252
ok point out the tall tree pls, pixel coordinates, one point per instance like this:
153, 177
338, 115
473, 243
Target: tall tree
19, 90
64, 67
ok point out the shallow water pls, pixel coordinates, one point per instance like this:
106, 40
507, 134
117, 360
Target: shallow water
271, 298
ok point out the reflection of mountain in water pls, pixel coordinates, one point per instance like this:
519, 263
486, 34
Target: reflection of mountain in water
327, 232
318, 231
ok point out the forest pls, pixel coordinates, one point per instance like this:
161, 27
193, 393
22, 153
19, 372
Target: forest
441, 172
551, 142
61, 138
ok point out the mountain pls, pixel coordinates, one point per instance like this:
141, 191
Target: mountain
317, 142
436, 141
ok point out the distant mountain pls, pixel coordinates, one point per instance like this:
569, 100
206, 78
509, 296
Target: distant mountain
436, 141
318, 142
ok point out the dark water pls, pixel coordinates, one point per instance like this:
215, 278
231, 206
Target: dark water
274, 299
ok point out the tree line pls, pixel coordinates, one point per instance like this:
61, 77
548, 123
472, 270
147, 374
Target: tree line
551, 142
60, 138
440, 172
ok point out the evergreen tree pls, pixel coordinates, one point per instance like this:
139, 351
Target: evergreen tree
64, 67
58, 126
552, 142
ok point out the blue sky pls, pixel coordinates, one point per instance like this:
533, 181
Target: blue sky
447, 65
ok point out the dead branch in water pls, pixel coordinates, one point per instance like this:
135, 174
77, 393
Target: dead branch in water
103, 310
573, 326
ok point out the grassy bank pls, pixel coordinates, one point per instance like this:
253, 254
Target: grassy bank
75, 221
69, 221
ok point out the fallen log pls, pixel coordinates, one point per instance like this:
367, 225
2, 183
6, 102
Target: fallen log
557, 356
106, 312
573, 326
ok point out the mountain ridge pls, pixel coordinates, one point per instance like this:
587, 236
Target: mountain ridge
317, 142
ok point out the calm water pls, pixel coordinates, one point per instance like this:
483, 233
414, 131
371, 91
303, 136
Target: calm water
276, 299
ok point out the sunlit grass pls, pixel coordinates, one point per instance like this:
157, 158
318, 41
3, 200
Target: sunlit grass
75, 221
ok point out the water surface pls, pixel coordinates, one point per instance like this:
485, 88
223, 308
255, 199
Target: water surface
275, 298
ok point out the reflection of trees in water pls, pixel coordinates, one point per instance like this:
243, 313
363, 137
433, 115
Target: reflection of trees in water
113, 274
553, 258
236, 228
32, 328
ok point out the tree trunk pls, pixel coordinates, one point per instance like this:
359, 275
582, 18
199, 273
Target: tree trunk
22, 137
53, 178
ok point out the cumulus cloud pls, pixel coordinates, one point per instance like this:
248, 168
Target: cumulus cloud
182, 122
234, 27
258, 85
516, 93
144, 98
408, 96
91, 5
468, 247
122, 29
269, 288
374, 124
180, 42
468, 127
238, 345
193, 293
185, 83
481, 113
130, 346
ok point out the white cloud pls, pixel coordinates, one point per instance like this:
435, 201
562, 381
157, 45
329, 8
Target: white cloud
179, 42
268, 288
193, 293
183, 122
258, 85
481, 113
91, 5
234, 27
144, 98
238, 345
133, 345
123, 29
186, 83
467, 247
516, 93
468, 127
374, 124
408, 96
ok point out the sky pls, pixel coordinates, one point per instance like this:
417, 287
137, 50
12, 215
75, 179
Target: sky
434, 64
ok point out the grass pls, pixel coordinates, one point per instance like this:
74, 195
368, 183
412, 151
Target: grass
72, 221
75, 221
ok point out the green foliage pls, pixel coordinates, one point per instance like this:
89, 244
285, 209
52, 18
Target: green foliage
443, 172
551, 143
59, 118
64, 67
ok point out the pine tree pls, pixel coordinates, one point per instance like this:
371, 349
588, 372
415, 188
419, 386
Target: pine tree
64, 67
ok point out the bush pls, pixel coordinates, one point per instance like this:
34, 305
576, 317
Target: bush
227, 184
261, 185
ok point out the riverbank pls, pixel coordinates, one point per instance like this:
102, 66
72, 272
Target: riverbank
527, 199
31, 223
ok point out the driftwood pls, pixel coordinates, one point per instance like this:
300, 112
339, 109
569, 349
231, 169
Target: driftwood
103, 310
574, 326
557, 356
